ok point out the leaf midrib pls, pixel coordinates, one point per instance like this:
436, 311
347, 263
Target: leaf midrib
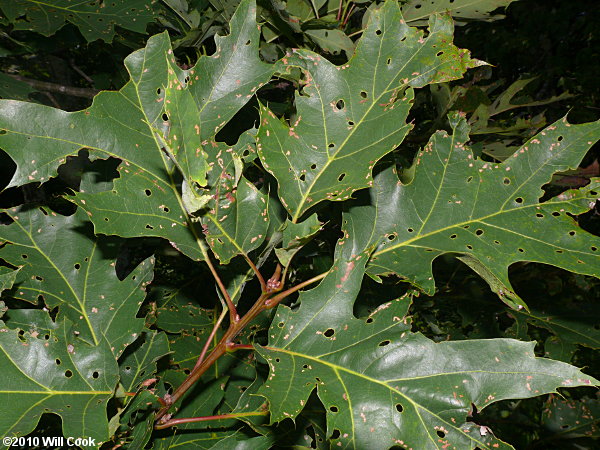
336, 369
471, 221
375, 101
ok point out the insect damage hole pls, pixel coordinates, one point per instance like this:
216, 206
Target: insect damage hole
339, 105
148, 192
329, 332
333, 409
384, 343
363, 94
399, 407
68, 374
440, 433
336, 433
341, 177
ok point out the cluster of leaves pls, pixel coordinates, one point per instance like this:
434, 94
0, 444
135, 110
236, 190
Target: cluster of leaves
131, 349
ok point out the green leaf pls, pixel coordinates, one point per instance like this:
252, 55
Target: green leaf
138, 363
7, 278
491, 212
14, 89
570, 419
382, 385
177, 312
570, 327
332, 41
95, 19
417, 11
238, 215
329, 149
128, 124
82, 281
62, 375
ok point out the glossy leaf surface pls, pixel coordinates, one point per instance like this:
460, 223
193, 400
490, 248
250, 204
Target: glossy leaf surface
62, 375
489, 212
132, 125
383, 385
417, 11
95, 19
349, 116
82, 282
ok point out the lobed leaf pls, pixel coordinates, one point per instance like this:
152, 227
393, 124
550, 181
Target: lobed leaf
82, 281
95, 19
383, 385
417, 11
62, 375
132, 125
488, 212
350, 116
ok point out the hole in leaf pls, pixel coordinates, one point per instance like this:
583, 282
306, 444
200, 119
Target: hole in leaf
305, 366
363, 94
148, 192
331, 145
77, 266
340, 104
336, 433
350, 123
440, 433
37, 277
453, 236
470, 247
384, 343
439, 53
333, 409
391, 237
68, 374
281, 324
571, 233
479, 232
519, 200
592, 248
302, 177
506, 181
341, 177
277, 360
248, 42
313, 166
540, 215
95, 375
399, 407
560, 138
389, 61
410, 230
158, 91
497, 242
57, 361
378, 32
466, 226
329, 332
106, 219
521, 250
558, 251
369, 320
165, 117
24, 256
469, 179
556, 214
149, 227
